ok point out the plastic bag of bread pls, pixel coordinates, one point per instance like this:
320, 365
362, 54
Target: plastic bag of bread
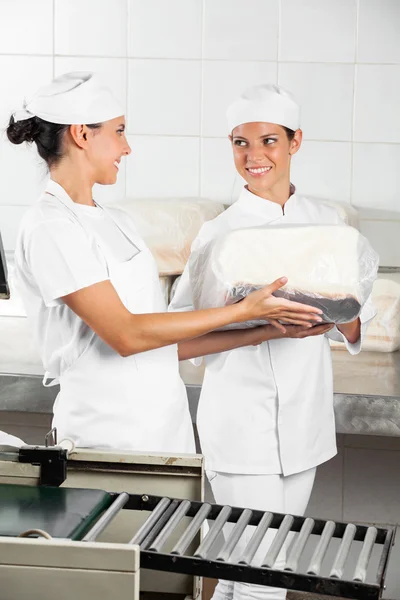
383, 333
331, 267
169, 226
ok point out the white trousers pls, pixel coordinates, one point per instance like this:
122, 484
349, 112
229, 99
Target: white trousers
274, 493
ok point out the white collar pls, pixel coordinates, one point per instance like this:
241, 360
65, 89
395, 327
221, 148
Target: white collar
55, 189
266, 208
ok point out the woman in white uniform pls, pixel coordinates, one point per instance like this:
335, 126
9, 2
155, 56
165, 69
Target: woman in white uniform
90, 286
265, 415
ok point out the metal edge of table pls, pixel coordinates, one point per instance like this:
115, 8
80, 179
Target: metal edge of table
355, 413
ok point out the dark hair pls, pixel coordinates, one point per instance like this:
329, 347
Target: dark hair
289, 132
47, 136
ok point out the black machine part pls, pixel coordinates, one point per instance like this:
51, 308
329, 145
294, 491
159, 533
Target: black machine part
52, 461
167, 513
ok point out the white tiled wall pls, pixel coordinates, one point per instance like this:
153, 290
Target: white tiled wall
176, 64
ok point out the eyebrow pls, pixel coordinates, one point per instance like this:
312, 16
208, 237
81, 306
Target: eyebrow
122, 125
267, 135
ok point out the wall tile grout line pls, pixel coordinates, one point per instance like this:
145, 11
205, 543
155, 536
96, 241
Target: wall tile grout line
353, 119
54, 37
128, 14
177, 58
201, 124
343, 480
279, 36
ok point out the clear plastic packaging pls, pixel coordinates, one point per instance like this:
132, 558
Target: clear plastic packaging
331, 267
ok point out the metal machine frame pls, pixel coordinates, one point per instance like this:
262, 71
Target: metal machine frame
114, 472
165, 539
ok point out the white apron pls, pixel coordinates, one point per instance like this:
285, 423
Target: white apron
137, 402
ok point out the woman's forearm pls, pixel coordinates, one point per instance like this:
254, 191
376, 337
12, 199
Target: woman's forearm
101, 309
222, 341
192, 327
351, 331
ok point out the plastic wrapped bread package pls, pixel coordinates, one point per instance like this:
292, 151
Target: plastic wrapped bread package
346, 212
383, 333
331, 267
169, 226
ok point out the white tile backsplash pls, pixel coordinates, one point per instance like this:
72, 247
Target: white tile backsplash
377, 114
384, 237
219, 178
164, 97
378, 32
237, 30
26, 27
176, 65
21, 76
90, 27
111, 70
325, 93
223, 82
376, 176
165, 28
23, 174
10, 218
371, 493
163, 167
323, 170
318, 30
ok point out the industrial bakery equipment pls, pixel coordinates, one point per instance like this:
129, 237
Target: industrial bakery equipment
96, 535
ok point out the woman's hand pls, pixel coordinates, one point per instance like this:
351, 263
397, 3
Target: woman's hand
269, 332
294, 331
263, 305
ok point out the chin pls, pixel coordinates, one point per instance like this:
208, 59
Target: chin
107, 180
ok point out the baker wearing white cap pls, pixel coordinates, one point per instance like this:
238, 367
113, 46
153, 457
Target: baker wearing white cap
265, 416
91, 290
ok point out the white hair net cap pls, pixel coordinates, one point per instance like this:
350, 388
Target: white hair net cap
72, 99
266, 103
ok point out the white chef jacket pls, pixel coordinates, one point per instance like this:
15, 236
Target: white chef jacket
137, 402
268, 409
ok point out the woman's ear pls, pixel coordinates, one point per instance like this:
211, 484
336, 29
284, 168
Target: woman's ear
79, 135
295, 143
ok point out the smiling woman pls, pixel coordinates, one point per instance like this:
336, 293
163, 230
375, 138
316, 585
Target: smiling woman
265, 416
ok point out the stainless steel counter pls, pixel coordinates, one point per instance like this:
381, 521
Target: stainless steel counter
367, 392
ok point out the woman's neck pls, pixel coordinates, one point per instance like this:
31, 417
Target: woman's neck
279, 193
75, 181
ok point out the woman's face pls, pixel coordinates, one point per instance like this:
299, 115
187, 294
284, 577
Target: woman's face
106, 146
262, 153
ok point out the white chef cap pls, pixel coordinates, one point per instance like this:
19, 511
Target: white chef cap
72, 99
266, 103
